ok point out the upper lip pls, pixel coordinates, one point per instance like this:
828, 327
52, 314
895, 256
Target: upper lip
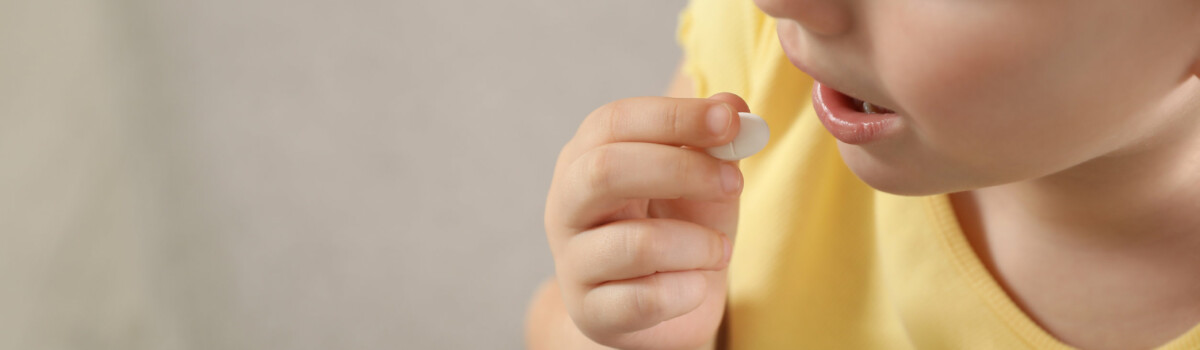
854, 93
836, 85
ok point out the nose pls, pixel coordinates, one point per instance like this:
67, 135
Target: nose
825, 17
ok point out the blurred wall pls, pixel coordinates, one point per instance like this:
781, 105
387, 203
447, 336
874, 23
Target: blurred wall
269, 174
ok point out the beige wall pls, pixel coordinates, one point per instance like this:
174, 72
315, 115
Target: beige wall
270, 174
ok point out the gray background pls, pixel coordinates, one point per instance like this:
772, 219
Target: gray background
270, 174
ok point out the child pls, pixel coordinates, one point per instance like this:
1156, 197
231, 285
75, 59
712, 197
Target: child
1037, 186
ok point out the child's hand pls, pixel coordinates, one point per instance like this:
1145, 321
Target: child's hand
641, 228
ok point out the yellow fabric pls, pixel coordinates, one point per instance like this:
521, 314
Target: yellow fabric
821, 260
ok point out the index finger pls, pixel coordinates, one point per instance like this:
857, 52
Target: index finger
664, 120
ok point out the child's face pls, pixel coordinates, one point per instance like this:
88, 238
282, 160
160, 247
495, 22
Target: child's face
997, 91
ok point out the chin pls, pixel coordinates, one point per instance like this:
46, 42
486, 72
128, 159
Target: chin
898, 177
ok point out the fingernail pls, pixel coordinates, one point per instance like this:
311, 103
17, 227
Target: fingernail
718, 119
731, 179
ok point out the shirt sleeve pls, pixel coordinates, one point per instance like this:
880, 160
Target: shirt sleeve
719, 40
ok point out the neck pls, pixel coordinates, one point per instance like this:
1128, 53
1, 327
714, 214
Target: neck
1108, 244
1150, 190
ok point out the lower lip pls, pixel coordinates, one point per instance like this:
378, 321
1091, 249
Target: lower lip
847, 124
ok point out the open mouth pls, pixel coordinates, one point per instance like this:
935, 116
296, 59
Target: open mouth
867, 107
851, 120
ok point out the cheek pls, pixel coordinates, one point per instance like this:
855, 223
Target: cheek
1002, 91
984, 87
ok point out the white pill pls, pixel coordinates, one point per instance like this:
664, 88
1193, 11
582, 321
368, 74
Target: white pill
751, 138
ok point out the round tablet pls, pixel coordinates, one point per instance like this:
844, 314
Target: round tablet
751, 138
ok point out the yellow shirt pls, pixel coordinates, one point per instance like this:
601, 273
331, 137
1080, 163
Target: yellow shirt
821, 260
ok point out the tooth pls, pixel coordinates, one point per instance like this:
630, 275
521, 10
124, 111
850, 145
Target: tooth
867, 107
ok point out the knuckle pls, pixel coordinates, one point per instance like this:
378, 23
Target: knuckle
687, 168
605, 111
646, 303
638, 248
614, 117
598, 169
600, 121
673, 120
